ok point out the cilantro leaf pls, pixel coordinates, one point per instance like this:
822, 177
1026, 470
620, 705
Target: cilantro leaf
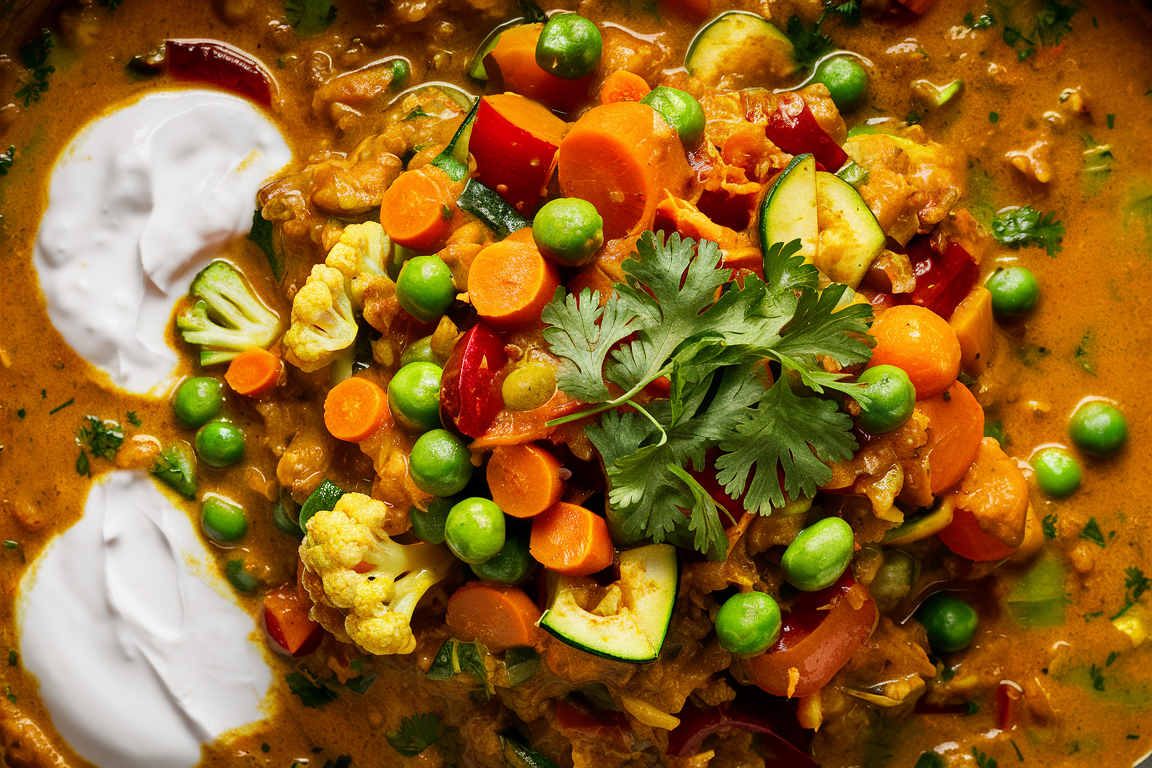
1135, 584
1026, 226
848, 11
309, 17
984, 21
582, 333
786, 431
102, 438
1092, 533
809, 44
1054, 20
35, 52
416, 734
1048, 525
312, 695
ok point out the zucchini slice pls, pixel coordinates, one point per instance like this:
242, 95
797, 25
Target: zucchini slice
788, 210
850, 236
628, 619
739, 49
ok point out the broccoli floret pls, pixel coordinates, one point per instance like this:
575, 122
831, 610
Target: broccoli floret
360, 255
228, 318
323, 323
374, 582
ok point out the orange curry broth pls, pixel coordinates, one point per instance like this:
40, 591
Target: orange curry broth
1088, 337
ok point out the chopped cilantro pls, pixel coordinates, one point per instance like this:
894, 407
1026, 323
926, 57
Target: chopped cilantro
982, 760
849, 11
1135, 584
1084, 353
707, 348
1012, 35
1088, 617
312, 695
809, 44
1031, 354
6, 160
261, 234
912, 118
1048, 525
133, 419
8, 693
102, 438
265, 748
1112, 658
1111, 120
9, 544
971, 708
1024, 53
61, 407
1097, 675
82, 465
984, 21
309, 17
1026, 226
418, 112
1054, 20
993, 117
13, 658
1092, 533
21, 413
34, 54
416, 734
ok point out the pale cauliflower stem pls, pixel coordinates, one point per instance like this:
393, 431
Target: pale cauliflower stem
361, 255
323, 323
377, 601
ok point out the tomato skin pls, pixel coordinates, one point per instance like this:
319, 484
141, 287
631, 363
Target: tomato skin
815, 642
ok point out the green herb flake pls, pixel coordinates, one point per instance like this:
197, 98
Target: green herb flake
1085, 352
1088, 617
61, 407
83, 467
984, 21
1135, 585
1026, 226
993, 117
1132, 737
1054, 20
312, 695
9, 544
309, 17
265, 748
111, 5
261, 234
13, 658
971, 708
8, 693
1019, 754
1092, 533
445, 213
809, 44
133, 419
982, 760
416, 114
1111, 120
1112, 658
1025, 53
1097, 675
849, 12
21, 413
1048, 525
912, 118
102, 438
1031, 354
416, 734
6, 160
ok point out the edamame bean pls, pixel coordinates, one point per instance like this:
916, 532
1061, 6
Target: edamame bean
818, 556
748, 623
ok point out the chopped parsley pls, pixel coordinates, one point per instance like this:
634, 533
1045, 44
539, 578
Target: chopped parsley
102, 438
1048, 525
6, 160
1092, 533
708, 349
1112, 658
261, 234
312, 695
1084, 353
993, 117
1097, 676
8, 693
61, 407
133, 419
416, 734
10, 544
912, 118
809, 44
982, 760
82, 465
1111, 120
1027, 226
13, 658
1135, 584
1054, 20
418, 112
21, 413
849, 12
984, 21
34, 55
309, 17
1088, 617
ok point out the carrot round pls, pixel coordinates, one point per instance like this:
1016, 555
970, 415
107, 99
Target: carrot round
254, 372
623, 85
354, 409
499, 615
512, 66
919, 342
524, 479
509, 283
571, 540
622, 158
955, 429
418, 209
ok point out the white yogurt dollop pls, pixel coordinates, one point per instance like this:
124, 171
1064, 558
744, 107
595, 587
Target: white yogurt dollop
139, 202
140, 659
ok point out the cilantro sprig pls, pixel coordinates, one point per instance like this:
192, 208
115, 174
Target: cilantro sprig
416, 734
1027, 226
666, 320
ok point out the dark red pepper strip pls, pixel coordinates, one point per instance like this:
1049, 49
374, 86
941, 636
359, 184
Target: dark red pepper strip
793, 128
469, 394
219, 64
942, 279
785, 742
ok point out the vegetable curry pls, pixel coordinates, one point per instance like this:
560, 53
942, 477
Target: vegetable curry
730, 389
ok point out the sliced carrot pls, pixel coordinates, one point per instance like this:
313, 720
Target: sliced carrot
571, 540
354, 409
955, 429
972, 322
509, 283
991, 507
286, 618
919, 342
622, 158
524, 479
419, 208
623, 85
254, 372
499, 615
512, 66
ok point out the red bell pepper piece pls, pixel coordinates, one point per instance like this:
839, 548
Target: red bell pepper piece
785, 742
287, 622
469, 394
942, 279
611, 727
793, 128
222, 65
514, 141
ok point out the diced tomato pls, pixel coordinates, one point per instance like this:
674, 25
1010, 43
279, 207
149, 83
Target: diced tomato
287, 622
222, 65
942, 279
793, 128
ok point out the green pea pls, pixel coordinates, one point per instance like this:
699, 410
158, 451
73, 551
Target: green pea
748, 623
1098, 428
414, 396
894, 579
199, 400
1057, 471
1014, 290
818, 556
513, 564
440, 463
222, 520
680, 110
219, 444
419, 351
569, 46
474, 530
428, 523
425, 288
568, 230
401, 72
950, 622
846, 80
529, 387
891, 399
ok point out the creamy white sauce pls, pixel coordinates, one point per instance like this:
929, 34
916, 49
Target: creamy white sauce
139, 202
140, 655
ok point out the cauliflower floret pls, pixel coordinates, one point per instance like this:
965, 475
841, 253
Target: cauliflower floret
322, 320
374, 582
361, 255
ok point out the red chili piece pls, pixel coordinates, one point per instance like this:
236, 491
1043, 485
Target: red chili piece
793, 128
942, 279
207, 61
752, 710
469, 393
